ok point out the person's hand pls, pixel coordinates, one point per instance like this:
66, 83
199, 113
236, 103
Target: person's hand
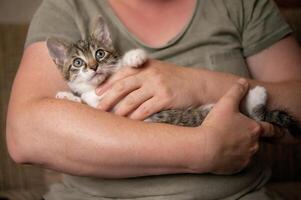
139, 93
231, 138
275, 134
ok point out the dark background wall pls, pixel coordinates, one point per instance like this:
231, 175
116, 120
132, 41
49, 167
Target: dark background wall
17, 11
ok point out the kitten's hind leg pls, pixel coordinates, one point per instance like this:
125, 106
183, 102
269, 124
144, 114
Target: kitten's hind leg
255, 107
134, 58
69, 96
255, 103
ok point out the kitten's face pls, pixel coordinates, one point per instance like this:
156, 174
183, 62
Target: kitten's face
91, 60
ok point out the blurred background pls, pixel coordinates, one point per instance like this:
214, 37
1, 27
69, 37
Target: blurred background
29, 183
17, 11
16, 182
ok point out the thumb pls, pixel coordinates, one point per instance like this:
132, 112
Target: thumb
271, 131
235, 94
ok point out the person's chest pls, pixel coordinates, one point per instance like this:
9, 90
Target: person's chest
210, 40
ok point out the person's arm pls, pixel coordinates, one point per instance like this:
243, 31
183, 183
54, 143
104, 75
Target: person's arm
277, 68
79, 140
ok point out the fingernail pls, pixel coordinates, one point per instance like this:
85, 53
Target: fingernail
243, 82
100, 108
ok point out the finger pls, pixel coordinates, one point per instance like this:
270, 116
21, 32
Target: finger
235, 94
121, 74
132, 102
271, 131
147, 109
119, 90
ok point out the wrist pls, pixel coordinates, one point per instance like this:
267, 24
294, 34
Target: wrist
198, 155
201, 86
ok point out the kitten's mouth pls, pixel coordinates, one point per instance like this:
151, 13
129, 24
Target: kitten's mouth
93, 76
96, 75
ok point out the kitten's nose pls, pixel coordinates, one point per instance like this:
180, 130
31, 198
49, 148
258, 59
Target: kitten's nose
94, 66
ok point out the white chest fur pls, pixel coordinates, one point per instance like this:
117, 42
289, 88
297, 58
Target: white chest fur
81, 87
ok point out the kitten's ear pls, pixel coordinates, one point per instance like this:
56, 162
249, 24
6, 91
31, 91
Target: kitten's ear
101, 32
58, 50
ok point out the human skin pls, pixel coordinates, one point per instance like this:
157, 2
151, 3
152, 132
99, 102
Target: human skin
130, 92
80, 140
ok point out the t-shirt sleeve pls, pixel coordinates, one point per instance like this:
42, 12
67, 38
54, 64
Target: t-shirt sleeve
53, 19
263, 26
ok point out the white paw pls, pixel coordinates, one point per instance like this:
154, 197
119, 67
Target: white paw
134, 58
207, 107
68, 95
91, 98
257, 97
148, 120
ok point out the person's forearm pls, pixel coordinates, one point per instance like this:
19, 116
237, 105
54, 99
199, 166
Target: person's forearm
281, 95
79, 140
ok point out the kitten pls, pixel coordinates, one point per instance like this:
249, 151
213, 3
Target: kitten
86, 64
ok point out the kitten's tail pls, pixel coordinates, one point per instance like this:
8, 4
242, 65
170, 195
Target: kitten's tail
283, 119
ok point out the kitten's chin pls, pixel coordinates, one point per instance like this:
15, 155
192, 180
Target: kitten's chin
98, 78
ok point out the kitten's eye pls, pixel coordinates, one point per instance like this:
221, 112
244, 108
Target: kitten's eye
100, 54
77, 62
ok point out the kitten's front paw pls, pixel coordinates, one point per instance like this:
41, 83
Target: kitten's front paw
256, 101
91, 98
134, 58
68, 95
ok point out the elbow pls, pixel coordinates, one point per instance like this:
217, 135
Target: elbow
14, 149
14, 146
17, 145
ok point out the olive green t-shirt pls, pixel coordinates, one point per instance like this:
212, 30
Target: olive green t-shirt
219, 36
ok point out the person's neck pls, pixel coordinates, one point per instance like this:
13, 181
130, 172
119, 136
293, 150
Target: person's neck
151, 6
154, 22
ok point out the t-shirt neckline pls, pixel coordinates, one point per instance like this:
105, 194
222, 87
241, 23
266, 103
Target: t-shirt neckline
120, 25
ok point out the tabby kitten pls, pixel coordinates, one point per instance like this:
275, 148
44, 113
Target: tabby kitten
86, 64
